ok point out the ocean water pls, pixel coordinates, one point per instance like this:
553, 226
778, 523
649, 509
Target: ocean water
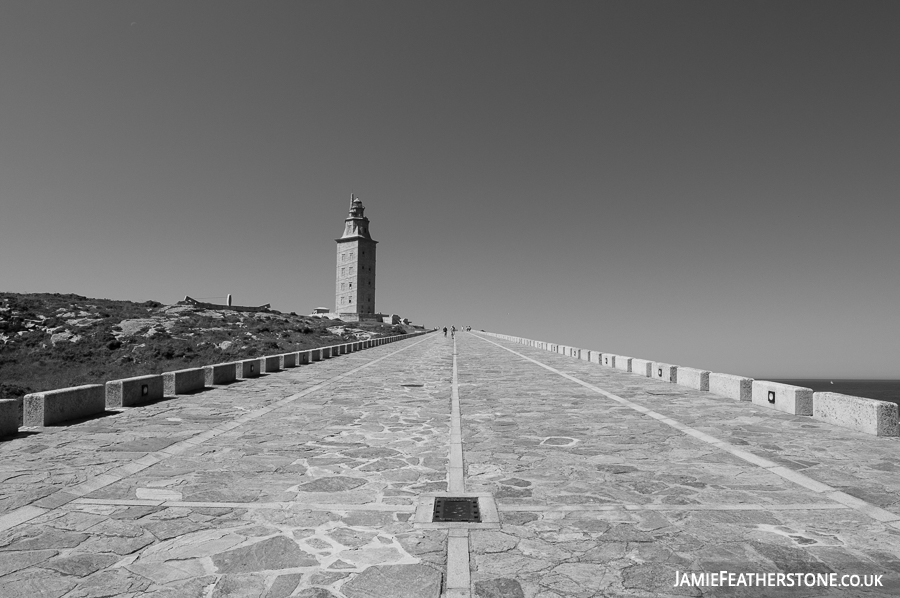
883, 390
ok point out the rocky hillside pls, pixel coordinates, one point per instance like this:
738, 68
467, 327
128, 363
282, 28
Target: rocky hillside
53, 341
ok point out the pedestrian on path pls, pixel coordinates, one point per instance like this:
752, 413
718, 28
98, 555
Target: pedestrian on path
445, 332
453, 331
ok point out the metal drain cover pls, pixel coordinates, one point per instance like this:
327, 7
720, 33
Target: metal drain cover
456, 509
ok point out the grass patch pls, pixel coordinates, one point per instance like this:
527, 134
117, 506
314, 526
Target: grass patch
50, 340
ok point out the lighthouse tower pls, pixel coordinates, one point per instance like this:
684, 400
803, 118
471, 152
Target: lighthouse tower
355, 277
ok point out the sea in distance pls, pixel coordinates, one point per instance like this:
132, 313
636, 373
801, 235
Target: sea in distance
883, 390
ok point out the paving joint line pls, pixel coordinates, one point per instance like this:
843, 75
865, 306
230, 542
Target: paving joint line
866, 508
66, 494
459, 580
456, 482
280, 505
513, 508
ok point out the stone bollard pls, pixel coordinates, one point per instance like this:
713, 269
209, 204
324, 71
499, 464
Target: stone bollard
272, 363
621, 362
664, 371
134, 391
642, 367
182, 382
869, 416
57, 406
9, 417
248, 368
795, 400
733, 387
220, 373
692, 378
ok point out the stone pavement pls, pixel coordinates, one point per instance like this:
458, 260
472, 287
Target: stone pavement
307, 482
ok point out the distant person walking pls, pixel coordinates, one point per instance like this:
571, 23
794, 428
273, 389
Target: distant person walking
445, 332
453, 331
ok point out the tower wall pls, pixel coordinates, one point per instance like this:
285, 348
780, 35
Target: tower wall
355, 277
354, 289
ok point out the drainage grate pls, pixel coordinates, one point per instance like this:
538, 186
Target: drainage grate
456, 509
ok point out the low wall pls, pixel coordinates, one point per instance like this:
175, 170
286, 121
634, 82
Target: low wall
692, 378
57, 406
182, 382
733, 387
795, 400
220, 373
642, 367
857, 413
129, 392
9, 417
864, 415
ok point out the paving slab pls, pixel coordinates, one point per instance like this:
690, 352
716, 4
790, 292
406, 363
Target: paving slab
306, 483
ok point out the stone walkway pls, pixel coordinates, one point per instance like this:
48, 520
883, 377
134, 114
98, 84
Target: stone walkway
306, 483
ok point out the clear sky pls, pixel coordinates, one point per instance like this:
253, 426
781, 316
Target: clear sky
712, 184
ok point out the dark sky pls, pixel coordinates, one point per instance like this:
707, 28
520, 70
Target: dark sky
713, 184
